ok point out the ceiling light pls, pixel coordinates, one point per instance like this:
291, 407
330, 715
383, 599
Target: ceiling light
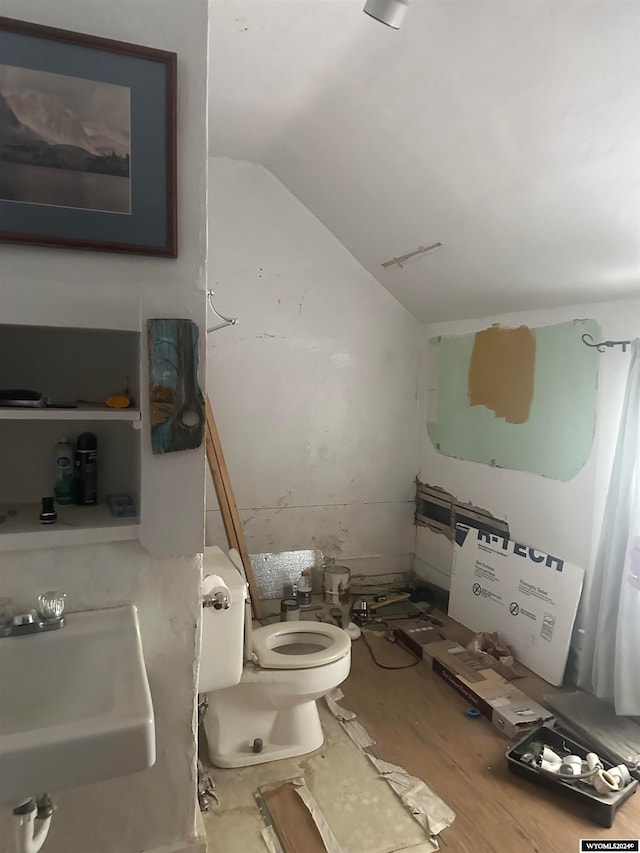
389, 12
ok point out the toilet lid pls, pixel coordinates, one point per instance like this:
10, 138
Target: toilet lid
299, 645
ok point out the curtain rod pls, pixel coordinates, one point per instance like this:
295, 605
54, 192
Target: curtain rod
602, 344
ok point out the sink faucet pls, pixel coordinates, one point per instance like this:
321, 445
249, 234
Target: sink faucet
48, 617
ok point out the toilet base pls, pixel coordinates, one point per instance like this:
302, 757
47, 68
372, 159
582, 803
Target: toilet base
285, 733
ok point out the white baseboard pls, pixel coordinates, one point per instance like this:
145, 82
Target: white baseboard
195, 845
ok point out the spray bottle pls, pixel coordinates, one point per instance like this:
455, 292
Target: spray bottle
87, 469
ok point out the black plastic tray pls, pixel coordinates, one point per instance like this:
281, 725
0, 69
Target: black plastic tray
600, 808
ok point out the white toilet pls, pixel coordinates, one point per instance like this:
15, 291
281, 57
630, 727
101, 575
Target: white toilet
262, 684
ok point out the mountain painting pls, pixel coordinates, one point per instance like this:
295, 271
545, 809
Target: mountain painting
64, 141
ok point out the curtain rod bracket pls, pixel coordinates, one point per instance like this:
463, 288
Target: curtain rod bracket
226, 321
602, 344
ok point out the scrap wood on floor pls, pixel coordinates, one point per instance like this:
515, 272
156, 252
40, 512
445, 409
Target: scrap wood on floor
296, 819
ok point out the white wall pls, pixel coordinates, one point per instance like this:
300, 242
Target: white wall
314, 391
562, 518
61, 287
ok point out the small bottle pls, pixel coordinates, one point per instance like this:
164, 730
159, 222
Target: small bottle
87, 469
48, 514
303, 593
64, 484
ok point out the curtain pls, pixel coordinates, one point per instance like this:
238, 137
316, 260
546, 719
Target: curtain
610, 663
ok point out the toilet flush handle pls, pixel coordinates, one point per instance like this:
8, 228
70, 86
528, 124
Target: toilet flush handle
218, 600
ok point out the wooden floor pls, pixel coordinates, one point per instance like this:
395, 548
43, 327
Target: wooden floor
418, 722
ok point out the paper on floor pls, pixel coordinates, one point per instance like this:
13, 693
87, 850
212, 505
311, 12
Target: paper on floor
347, 719
271, 840
339, 713
358, 734
326, 833
432, 813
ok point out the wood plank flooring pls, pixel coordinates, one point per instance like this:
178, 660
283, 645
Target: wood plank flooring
418, 722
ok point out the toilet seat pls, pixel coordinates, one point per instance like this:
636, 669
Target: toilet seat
317, 644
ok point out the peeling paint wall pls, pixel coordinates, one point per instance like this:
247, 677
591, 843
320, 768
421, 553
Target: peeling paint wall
562, 518
314, 391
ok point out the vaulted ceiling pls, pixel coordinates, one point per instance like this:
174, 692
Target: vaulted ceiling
508, 131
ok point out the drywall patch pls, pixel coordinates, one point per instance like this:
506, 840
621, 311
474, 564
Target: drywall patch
555, 440
502, 372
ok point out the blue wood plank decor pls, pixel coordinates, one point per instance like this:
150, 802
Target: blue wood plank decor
176, 401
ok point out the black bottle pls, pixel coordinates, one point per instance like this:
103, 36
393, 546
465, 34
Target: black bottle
87, 469
48, 514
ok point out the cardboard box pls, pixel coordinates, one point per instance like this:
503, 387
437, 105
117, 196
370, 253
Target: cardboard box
499, 700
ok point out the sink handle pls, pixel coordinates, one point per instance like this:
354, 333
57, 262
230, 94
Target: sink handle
51, 605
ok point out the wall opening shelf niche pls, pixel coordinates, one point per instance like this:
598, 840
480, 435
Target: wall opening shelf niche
69, 366
76, 525
84, 412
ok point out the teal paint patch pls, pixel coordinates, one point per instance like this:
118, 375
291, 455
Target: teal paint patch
556, 440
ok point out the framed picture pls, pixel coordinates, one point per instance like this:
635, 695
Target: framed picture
87, 142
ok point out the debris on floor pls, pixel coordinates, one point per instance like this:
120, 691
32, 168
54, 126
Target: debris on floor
206, 789
509, 708
489, 648
391, 607
348, 720
616, 738
341, 714
295, 818
432, 813
271, 839
364, 813
550, 758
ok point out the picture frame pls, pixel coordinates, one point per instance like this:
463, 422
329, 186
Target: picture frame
87, 142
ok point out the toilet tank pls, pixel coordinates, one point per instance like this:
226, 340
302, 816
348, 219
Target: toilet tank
222, 630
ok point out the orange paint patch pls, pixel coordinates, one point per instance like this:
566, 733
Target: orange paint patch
502, 372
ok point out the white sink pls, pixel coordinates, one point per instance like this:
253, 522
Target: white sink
75, 705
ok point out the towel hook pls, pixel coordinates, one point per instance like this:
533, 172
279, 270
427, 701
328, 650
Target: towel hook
226, 321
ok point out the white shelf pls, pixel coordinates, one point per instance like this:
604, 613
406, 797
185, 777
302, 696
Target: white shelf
76, 525
81, 413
